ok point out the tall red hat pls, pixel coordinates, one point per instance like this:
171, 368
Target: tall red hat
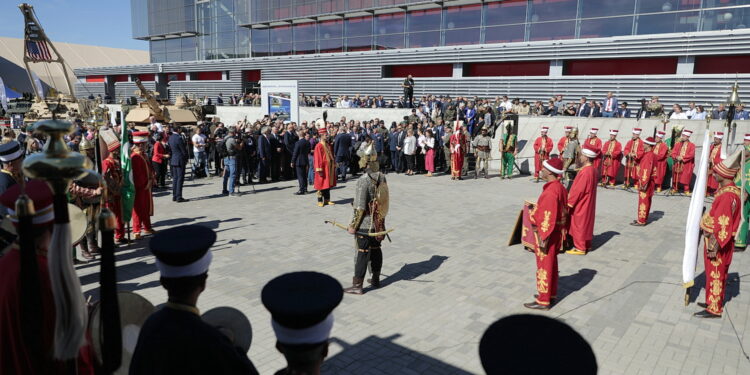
591, 151
650, 141
140, 137
39, 192
554, 165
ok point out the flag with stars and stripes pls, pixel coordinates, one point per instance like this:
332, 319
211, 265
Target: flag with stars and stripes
37, 50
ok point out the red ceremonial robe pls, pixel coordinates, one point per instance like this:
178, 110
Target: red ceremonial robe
633, 153
582, 204
713, 159
612, 155
111, 170
596, 142
458, 150
683, 171
548, 218
561, 144
143, 205
721, 222
541, 143
661, 151
646, 177
323, 162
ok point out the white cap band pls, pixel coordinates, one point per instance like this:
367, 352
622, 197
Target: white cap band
589, 153
13, 156
311, 335
636, 132
649, 143
196, 268
551, 168
41, 216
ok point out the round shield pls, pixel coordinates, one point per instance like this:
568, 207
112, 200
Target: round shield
134, 310
78, 223
233, 323
383, 199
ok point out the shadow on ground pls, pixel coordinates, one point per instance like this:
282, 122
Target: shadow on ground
570, 284
411, 271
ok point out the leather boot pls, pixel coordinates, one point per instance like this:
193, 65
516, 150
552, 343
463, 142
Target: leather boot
356, 287
375, 281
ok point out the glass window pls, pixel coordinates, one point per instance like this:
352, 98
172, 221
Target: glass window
304, 47
331, 6
505, 34
551, 10
606, 27
462, 36
603, 8
424, 39
225, 40
359, 43
331, 29
188, 55
723, 3
261, 49
304, 8
174, 56
650, 6
259, 36
158, 58
158, 46
304, 32
331, 45
360, 4
463, 16
392, 41
725, 19
173, 44
424, 20
225, 24
188, 43
553, 30
281, 49
392, 23
359, 26
282, 34
509, 11
383, 3
668, 23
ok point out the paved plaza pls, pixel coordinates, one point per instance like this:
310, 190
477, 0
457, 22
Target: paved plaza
448, 275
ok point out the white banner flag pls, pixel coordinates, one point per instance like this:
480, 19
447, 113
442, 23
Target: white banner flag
3, 97
38, 86
695, 212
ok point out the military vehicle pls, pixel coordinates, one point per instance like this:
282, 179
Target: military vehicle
182, 113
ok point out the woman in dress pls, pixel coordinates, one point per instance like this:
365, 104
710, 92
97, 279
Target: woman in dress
429, 156
410, 150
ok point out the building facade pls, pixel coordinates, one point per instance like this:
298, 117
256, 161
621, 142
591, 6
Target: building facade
681, 50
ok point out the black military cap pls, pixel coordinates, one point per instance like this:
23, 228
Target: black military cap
512, 345
10, 151
301, 305
183, 251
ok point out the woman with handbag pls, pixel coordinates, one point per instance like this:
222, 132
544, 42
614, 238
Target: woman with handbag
429, 156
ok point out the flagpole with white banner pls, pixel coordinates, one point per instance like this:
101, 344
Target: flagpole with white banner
3, 96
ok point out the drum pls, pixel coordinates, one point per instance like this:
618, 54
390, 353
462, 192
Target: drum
134, 310
232, 323
78, 223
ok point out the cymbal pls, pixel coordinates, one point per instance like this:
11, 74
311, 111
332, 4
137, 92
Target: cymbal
234, 321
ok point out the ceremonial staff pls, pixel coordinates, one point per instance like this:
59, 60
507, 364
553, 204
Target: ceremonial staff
31, 298
732, 102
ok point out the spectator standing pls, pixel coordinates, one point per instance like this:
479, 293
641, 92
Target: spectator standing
584, 110
177, 164
342, 146
610, 106
300, 161
410, 147
220, 99
159, 159
276, 151
200, 161
408, 86
429, 155
230, 163
264, 155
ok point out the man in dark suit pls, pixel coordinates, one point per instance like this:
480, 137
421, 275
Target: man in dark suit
264, 155
623, 111
277, 149
342, 146
290, 138
584, 110
393, 142
177, 163
300, 161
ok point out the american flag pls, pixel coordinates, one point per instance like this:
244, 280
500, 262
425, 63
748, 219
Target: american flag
38, 50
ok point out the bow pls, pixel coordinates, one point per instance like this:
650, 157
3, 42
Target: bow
373, 234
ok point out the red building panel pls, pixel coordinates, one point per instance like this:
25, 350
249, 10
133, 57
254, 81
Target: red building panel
207, 76
176, 77
507, 69
722, 64
605, 67
252, 75
147, 77
120, 78
94, 78
418, 70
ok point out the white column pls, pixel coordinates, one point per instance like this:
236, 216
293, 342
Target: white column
556, 68
685, 64
458, 70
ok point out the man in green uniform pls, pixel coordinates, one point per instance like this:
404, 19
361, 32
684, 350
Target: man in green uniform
740, 242
508, 150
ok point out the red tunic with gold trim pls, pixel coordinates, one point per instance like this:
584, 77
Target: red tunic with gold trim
612, 157
634, 150
542, 143
549, 218
720, 224
458, 146
325, 168
561, 144
683, 171
646, 177
113, 177
713, 159
661, 151
582, 204
597, 143
143, 205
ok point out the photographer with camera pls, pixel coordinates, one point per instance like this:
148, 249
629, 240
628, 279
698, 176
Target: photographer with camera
232, 146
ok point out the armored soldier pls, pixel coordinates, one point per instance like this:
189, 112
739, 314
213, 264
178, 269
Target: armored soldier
482, 146
570, 155
508, 149
368, 222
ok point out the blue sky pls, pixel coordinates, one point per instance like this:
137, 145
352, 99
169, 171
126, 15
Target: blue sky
92, 22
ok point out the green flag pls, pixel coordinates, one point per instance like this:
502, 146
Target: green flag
128, 189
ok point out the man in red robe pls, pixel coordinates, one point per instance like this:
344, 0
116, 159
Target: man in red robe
683, 155
325, 166
112, 174
661, 152
596, 143
563, 142
26, 347
611, 159
633, 153
542, 149
548, 221
143, 178
714, 158
458, 149
719, 229
582, 202
646, 182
